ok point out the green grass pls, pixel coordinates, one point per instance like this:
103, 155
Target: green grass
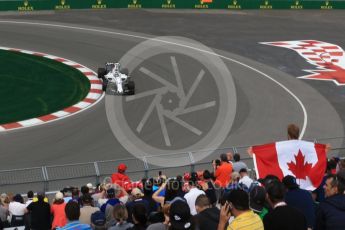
33, 86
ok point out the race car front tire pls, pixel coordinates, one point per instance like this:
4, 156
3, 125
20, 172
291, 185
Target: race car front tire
104, 85
131, 85
101, 72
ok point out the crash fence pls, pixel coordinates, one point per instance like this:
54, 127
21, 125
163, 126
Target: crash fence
56, 177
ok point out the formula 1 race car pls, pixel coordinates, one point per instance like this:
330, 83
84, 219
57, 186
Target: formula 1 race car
116, 81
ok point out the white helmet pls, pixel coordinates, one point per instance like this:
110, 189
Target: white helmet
117, 67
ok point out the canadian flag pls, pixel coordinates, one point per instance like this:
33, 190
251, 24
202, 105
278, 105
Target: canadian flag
304, 160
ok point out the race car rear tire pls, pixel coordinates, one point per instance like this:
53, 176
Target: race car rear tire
101, 72
131, 87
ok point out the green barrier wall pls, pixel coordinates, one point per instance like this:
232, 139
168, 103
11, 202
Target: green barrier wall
31, 5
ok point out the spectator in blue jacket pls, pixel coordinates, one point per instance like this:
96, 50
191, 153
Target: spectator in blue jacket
330, 214
300, 199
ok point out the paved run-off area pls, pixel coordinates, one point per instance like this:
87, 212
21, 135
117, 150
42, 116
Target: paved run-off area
32, 86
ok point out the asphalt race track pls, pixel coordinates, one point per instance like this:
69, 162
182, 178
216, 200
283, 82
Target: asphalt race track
266, 95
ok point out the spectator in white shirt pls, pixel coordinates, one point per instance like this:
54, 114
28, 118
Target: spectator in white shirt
17, 206
193, 193
245, 178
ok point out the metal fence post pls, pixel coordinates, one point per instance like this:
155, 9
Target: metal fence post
234, 150
192, 161
98, 175
146, 166
45, 179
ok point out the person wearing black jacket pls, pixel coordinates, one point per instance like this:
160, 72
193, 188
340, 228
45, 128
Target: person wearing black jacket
1, 225
40, 213
300, 199
208, 216
139, 217
282, 217
330, 214
210, 189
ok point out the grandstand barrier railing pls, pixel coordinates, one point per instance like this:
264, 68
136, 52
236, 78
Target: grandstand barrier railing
33, 5
56, 177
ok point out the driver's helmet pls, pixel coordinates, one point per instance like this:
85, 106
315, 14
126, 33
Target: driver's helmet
117, 67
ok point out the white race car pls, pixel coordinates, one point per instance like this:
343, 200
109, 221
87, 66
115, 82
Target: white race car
116, 81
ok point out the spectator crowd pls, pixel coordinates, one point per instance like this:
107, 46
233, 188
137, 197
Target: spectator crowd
226, 198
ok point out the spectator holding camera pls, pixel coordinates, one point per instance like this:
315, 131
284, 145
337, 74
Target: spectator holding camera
173, 190
223, 172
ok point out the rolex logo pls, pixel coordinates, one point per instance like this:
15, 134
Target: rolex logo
234, 2
297, 3
26, 3
63, 2
266, 3
99, 2
134, 2
168, 1
327, 3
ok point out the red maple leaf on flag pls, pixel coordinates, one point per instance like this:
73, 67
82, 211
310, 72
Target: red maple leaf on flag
300, 169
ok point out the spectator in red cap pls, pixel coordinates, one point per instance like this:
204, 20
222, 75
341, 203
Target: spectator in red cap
120, 177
